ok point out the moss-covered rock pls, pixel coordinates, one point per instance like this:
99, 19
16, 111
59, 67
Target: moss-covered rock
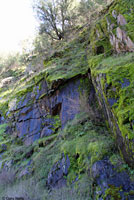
113, 32
113, 80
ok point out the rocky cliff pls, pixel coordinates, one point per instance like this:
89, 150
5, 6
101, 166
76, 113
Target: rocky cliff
67, 131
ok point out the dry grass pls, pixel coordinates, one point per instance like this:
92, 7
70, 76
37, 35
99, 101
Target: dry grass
30, 190
26, 189
7, 177
81, 105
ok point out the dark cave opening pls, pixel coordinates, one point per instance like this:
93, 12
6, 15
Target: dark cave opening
100, 50
56, 110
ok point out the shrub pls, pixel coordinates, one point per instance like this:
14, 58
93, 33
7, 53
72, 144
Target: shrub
27, 189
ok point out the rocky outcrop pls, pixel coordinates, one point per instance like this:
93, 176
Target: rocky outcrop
113, 33
120, 41
109, 183
39, 113
56, 176
106, 105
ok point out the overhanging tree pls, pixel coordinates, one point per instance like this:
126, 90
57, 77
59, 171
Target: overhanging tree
54, 16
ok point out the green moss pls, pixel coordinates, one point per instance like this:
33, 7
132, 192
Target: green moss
113, 193
44, 160
93, 63
117, 75
99, 33
71, 63
56, 124
4, 108
99, 37
85, 85
3, 128
63, 65
131, 192
43, 95
116, 160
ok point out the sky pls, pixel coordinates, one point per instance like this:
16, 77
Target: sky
17, 23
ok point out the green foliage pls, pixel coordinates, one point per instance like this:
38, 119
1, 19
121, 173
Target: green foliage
55, 17
42, 47
120, 164
113, 193
2, 128
85, 144
43, 142
128, 169
116, 160
10, 60
99, 38
44, 160
4, 138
